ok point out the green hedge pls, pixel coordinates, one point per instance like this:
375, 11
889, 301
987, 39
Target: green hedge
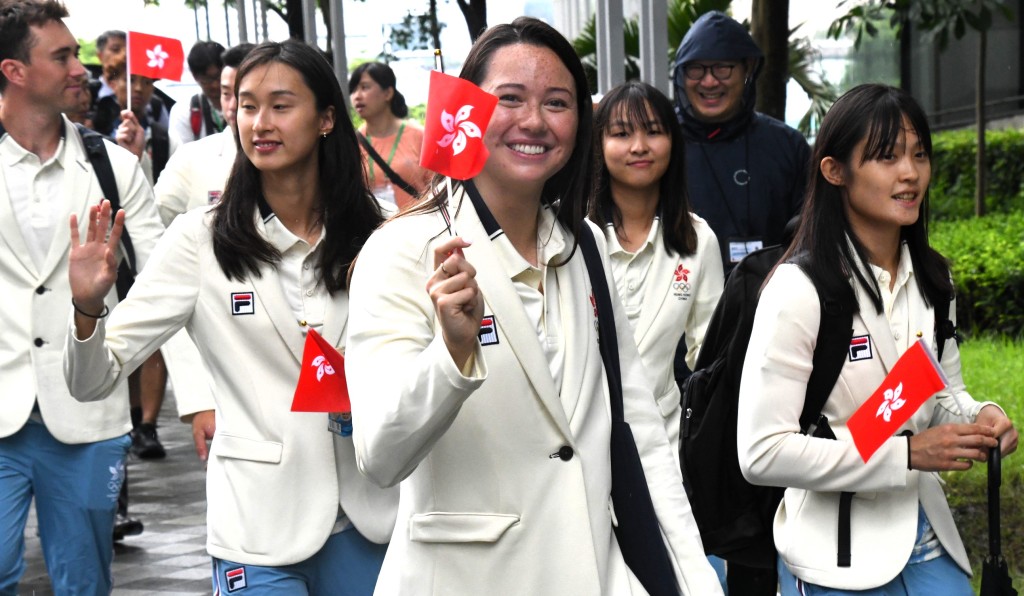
952, 186
988, 268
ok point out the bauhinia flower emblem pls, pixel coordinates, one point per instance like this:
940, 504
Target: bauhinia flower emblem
459, 128
157, 56
682, 273
323, 367
891, 403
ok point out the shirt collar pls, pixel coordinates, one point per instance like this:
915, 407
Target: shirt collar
12, 153
279, 236
903, 272
552, 239
615, 248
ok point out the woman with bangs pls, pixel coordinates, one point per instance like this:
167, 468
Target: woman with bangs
863, 239
287, 510
665, 259
473, 361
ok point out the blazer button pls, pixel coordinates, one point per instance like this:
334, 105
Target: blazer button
39, 343
40, 290
565, 453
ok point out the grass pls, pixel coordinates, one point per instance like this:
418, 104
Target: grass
993, 369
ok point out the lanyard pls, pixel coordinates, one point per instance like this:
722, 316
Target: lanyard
394, 147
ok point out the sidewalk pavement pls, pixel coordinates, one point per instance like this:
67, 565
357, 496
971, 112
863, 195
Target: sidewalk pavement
169, 497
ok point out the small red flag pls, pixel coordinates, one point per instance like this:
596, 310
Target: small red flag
155, 57
458, 113
915, 378
322, 386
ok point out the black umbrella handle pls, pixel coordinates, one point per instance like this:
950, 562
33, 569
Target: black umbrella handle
994, 480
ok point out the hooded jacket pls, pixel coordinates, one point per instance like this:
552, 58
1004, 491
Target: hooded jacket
747, 176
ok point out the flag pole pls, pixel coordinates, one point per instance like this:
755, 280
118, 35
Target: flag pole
439, 65
128, 72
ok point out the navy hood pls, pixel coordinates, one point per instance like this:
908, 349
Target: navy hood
716, 36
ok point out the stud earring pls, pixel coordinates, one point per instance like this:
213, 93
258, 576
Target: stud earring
323, 134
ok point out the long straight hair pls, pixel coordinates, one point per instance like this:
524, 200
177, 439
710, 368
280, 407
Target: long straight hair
569, 188
346, 207
631, 101
875, 114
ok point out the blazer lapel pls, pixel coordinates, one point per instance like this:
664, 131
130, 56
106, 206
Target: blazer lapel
336, 320
577, 315
10, 232
503, 302
76, 191
271, 299
878, 328
657, 287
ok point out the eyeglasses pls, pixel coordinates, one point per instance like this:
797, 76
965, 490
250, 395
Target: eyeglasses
696, 72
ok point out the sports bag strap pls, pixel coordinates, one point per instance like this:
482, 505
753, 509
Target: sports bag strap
830, 350
391, 174
843, 555
97, 152
944, 327
607, 338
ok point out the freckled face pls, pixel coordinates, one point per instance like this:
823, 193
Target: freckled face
532, 132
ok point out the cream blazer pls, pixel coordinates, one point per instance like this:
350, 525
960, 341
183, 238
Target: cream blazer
676, 301
502, 492
773, 452
275, 478
36, 300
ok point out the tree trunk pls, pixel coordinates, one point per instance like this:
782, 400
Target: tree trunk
980, 168
435, 28
296, 30
770, 30
206, 11
475, 12
227, 24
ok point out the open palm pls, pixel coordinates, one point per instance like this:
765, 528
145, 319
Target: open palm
92, 266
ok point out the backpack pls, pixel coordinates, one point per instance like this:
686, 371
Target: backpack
735, 517
96, 150
200, 112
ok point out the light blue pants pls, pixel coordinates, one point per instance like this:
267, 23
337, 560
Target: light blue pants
76, 488
347, 565
929, 578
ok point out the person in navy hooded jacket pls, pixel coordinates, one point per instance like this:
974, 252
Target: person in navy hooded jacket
746, 172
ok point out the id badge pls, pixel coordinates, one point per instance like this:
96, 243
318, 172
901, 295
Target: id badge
340, 424
741, 247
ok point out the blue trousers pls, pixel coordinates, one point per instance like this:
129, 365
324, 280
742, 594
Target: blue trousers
76, 488
929, 578
347, 565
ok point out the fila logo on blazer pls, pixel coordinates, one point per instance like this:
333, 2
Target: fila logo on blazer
860, 348
488, 333
243, 303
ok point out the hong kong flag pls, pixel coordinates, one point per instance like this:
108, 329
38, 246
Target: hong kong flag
322, 386
457, 116
915, 378
154, 56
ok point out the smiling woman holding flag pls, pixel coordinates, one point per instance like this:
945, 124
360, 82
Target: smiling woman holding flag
251, 279
864, 512
473, 360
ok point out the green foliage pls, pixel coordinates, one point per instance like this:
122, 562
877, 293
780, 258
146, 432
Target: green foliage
936, 19
987, 360
987, 254
953, 173
87, 51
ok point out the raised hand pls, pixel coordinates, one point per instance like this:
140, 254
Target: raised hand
130, 134
458, 303
92, 265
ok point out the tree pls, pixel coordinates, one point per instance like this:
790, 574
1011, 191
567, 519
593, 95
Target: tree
937, 20
475, 13
769, 26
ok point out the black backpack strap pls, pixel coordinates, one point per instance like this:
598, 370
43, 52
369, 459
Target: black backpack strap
96, 150
383, 165
608, 338
160, 148
944, 327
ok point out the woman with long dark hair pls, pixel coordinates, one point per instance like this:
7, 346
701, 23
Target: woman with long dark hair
665, 259
474, 365
395, 139
249, 278
863, 242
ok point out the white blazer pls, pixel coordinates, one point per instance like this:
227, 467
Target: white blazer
276, 478
772, 450
676, 301
195, 175
502, 492
36, 300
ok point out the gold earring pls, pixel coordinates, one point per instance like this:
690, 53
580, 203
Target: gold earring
323, 134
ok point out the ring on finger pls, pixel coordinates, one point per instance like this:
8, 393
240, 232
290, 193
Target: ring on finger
445, 270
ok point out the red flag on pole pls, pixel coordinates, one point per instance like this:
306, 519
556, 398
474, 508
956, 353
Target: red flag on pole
154, 56
915, 378
457, 116
322, 386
